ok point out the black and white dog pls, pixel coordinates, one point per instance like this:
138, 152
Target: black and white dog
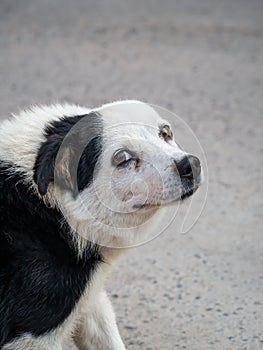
76, 187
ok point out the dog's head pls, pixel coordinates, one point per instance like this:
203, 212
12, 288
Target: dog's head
113, 168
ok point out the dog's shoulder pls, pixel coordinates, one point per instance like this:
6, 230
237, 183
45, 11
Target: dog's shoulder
41, 275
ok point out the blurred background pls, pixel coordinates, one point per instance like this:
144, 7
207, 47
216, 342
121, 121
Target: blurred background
202, 59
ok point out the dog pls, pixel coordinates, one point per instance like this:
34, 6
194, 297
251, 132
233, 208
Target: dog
78, 186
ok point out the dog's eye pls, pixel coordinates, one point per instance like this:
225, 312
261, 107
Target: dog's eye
166, 133
121, 156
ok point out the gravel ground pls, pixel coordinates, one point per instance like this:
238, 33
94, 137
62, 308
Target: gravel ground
202, 59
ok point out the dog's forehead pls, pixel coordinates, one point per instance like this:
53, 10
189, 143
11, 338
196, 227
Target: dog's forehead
130, 113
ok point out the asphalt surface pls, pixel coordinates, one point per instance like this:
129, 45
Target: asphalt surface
202, 59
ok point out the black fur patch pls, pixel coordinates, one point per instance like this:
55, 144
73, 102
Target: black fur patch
74, 145
41, 277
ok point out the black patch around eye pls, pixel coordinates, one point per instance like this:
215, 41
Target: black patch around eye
88, 162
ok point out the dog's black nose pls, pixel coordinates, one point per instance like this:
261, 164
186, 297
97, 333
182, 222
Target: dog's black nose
189, 168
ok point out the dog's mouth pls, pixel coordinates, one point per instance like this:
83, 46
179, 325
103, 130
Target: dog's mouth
147, 205
186, 193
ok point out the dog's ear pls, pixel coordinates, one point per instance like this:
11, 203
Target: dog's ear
68, 156
64, 172
53, 158
53, 161
44, 165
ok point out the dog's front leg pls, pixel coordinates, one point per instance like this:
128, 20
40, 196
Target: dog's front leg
98, 329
